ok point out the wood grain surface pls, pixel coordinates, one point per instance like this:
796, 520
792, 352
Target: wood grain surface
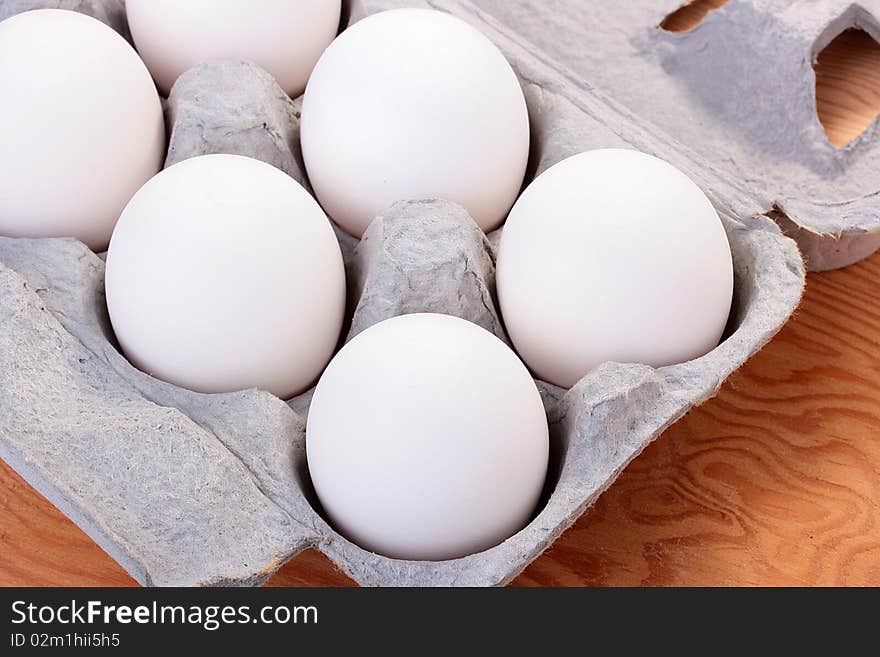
774, 482
689, 16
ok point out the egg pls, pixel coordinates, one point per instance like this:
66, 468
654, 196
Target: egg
613, 255
81, 126
426, 439
223, 274
410, 104
285, 37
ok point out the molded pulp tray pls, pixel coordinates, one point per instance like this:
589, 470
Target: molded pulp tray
740, 90
190, 489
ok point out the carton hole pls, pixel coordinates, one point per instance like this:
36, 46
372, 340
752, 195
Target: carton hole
848, 85
690, 15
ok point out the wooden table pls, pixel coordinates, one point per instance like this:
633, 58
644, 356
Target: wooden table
775, 482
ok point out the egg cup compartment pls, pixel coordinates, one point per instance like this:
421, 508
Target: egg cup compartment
740, 90
183, 488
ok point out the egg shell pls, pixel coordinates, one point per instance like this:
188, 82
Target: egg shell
456, 468
81, 126
285, 37
411, 104
613, 255
224, 274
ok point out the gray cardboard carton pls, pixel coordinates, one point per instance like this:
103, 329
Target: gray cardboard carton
739, 90
184, 488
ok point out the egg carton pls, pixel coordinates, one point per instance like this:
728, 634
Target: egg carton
739, 90
183, 488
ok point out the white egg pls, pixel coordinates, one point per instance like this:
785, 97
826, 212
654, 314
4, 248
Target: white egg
410, 104
427, 439
81, 126
285, 37
223, 274
613, 255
